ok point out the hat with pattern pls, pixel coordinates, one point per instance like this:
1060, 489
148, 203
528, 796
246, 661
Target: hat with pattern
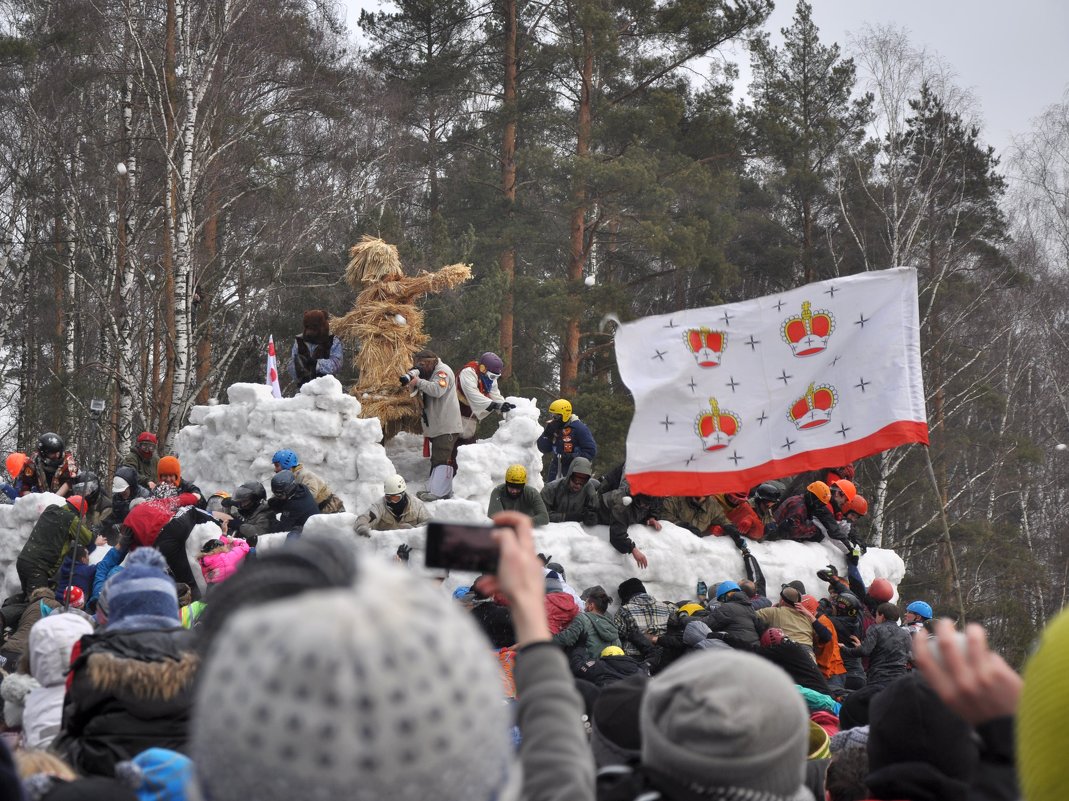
347, 693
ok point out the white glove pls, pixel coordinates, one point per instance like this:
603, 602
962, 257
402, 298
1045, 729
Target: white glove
413, 373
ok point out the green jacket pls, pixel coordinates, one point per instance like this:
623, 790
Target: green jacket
530, 503
146, 468
51, 537
597, 631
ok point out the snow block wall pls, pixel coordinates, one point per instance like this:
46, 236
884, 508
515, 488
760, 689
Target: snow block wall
678, 559
16, 523
228, 444
232, 443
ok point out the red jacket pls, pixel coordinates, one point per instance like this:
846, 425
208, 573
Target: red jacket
146, 519
561, 610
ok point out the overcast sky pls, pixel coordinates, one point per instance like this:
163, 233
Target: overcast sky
1013, 56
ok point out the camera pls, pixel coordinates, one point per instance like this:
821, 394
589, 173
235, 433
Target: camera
461, 546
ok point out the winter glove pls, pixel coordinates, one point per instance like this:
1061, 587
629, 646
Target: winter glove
403, 552
507, 407
553, 426
363, 531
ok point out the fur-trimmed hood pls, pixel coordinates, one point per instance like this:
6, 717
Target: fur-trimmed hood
154, 665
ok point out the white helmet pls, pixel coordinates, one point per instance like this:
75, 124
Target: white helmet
394, 485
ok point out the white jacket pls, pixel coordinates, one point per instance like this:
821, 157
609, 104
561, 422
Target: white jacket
51, 640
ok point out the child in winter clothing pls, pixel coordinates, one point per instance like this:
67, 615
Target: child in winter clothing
51, 641
220, 558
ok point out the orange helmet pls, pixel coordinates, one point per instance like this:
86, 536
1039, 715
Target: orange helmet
881, 590
821, 490
858, 505
15, 462
847, 488
78, 502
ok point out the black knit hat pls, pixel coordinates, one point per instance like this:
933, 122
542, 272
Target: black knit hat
918, 748
629, 588
616, 736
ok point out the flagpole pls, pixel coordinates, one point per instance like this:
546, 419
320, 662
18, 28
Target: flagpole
955, 582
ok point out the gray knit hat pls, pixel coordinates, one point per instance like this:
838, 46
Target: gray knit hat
382, 690
725, 724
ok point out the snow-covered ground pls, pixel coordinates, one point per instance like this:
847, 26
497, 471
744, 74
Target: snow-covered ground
231, 443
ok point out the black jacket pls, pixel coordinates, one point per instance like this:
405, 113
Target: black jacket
888, 648
798, 662
496, 622
295, 510
736, 618
129, 691
606, 670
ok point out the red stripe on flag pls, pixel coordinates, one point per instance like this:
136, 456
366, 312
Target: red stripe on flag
668, 483
271, 348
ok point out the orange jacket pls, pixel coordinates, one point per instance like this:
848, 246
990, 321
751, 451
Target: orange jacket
829, 660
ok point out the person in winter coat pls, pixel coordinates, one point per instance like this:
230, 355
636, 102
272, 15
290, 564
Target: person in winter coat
169, 481
734, 617
564, 438
718, 724
219, 558
125, 488
516, 496
592, 631
573, 498
143, 460
324, 496
491, 613
131, 684
829, 658
702, 515
52, 469
611, 666
397, 509
888, 648
433, 379
808, 517
478, 394
52, 639
427, 727
795, 620
249, 515
292, 501
315, 352
796, 659
58, 527
619, 509
641, 616
561, 608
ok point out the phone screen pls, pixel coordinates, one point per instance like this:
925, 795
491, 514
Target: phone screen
461, 546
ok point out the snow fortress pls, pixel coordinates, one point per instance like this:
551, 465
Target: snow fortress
227, 444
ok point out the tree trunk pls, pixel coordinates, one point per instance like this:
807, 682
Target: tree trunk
506, 260
166, 394
569, 371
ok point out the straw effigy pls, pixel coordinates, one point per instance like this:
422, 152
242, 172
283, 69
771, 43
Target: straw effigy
388, 326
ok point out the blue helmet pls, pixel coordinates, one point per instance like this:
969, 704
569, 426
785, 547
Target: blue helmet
460, 592
287, 460
922, 608
724, 587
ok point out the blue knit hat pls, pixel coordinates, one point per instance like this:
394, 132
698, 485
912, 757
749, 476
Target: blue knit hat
142, 595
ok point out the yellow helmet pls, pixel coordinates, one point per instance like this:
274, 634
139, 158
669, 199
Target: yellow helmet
562, 407
516, 474
612, 650
690, 609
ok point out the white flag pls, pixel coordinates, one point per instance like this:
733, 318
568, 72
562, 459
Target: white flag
729, 396
272, 368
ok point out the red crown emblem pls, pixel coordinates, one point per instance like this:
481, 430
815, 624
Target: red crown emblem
716, 427
808, 332
813, 409
707, 346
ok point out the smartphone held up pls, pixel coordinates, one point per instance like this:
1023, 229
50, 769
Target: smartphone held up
462, 546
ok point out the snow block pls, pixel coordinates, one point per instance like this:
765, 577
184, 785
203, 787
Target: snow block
248, 393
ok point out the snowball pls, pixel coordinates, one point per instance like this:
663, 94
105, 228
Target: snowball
120, 168
400, 319
1061, 446
589, 280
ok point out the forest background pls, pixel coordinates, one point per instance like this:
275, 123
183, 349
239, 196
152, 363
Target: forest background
181, 178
